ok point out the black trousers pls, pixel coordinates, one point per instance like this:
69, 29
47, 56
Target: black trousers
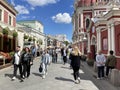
76, 72
108, 69
56, 57
26, 70
16, 68
65, 59
100, 71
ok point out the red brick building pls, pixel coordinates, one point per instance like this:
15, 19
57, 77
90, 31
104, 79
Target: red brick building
7, 26
96, 27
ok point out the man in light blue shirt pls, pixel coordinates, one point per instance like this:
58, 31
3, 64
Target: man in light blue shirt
100, 62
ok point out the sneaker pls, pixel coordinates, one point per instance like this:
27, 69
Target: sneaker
76, 81
46, 73
23, 77
106, 76
98, 78
102, 77
79, 79
43, 76
14, 78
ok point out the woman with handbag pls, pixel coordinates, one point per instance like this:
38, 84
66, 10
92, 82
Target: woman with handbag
45, 62
27, 61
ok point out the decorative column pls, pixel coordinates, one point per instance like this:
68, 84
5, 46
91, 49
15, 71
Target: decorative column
82, 26
82, 47
113, 37
97, 40
88, 43
109, 38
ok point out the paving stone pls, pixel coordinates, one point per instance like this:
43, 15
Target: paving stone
59, 78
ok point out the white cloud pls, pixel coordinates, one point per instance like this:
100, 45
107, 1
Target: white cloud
62, 18
32, 8
12, 2
41, 2
21, 9
23, 17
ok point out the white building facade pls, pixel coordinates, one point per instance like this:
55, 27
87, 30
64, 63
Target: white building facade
33, 29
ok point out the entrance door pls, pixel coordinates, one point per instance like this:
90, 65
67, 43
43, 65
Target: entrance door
93, 50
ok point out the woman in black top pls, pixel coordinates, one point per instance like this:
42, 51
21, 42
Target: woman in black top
75, 57
27, 61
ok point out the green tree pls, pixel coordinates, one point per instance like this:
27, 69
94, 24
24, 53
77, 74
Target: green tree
66, 43
26, 36
15, 34
5, 31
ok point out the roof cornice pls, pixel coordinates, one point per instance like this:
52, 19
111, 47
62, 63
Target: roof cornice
8, 6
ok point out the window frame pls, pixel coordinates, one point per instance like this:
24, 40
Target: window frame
10, 20
0, 14
105, 43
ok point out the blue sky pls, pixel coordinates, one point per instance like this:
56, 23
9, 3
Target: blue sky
55, 15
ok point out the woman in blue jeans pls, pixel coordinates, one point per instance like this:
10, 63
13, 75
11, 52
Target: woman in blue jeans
45, 62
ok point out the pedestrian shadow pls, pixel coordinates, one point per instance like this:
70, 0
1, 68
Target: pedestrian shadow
11, 75
37, 74
64, 79
8, 75
57, 62
66, 67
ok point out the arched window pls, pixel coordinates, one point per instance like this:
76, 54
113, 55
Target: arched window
87, 23
105, 44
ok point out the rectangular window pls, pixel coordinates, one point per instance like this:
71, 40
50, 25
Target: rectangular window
118, 42
0, 15
10, 20
105, 44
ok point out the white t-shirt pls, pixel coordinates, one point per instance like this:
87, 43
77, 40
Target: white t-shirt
17, 58
64, 52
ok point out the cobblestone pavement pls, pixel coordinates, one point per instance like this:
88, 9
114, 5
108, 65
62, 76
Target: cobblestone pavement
59, 78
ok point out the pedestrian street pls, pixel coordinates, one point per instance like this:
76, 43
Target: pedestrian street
59, 78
